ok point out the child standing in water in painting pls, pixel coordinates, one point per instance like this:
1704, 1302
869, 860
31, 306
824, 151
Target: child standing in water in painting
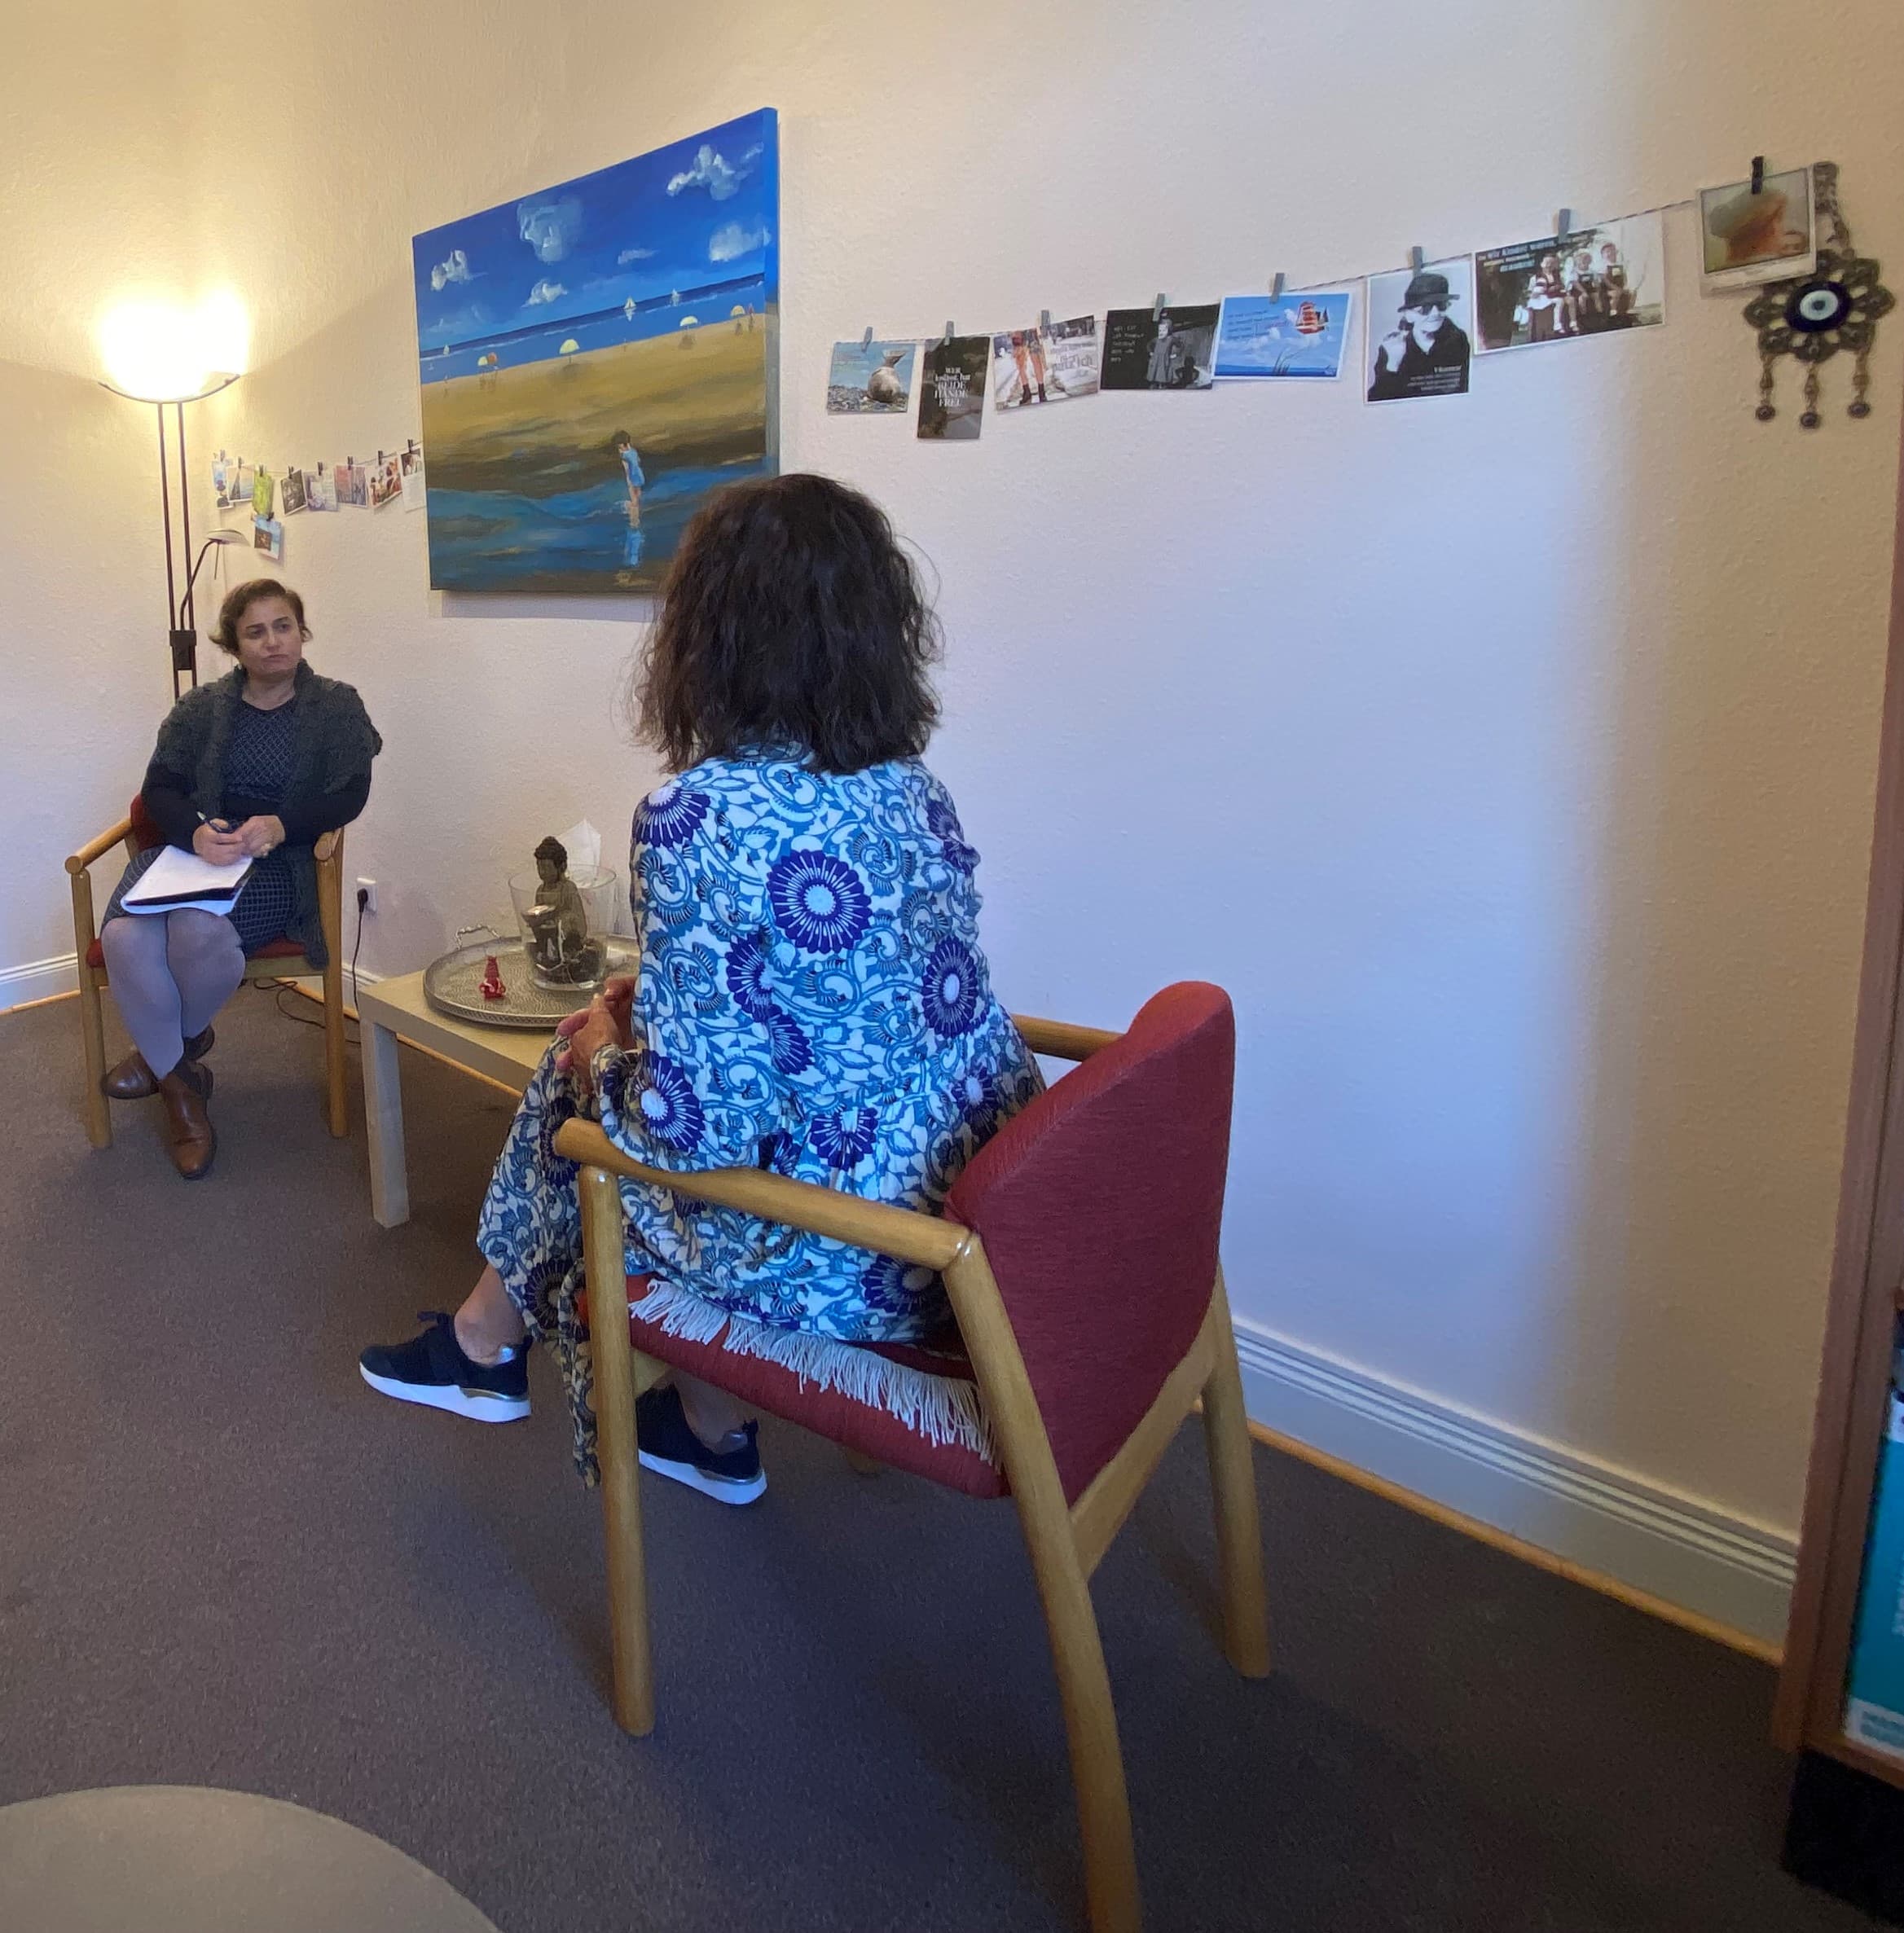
631, 468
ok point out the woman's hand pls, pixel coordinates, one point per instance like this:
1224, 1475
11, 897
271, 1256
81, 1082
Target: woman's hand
216, 844
603, 1022
258, 836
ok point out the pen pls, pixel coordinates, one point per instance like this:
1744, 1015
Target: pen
217, 825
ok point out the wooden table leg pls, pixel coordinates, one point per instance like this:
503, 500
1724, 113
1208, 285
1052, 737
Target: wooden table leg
383, 1127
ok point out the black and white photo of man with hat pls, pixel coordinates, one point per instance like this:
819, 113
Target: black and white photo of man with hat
1427, 353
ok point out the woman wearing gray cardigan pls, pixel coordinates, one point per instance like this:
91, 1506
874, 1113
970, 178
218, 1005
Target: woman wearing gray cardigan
259, 766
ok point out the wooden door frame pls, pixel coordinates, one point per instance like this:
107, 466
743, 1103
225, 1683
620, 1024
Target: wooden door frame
1867, 1274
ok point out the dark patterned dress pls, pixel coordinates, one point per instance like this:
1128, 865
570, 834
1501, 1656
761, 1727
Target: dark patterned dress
257, 765
812, 1000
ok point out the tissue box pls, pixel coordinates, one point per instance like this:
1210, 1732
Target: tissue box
1874, 1704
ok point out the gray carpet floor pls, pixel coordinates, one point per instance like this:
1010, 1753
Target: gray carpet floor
224, 1561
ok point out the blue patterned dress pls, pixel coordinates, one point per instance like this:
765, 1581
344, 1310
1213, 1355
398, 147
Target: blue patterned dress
812, 1000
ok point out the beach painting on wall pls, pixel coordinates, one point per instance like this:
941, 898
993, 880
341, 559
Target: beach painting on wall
595, 359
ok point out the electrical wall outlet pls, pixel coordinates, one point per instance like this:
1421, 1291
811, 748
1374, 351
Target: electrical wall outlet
366, 891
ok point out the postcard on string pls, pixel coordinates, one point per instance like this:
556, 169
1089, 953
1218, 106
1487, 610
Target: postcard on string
871, 379
1054, 363
1304, 335
952, 388
1416, 337
386, 480
267, 534
292, 501
1746, 239
1172, 348
320, 489
1594, 281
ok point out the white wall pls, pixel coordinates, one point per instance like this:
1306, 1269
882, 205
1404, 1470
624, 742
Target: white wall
1510, 760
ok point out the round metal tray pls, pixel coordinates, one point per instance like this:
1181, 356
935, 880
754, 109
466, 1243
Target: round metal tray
451, 986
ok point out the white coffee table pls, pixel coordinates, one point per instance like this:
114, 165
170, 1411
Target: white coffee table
393, 1010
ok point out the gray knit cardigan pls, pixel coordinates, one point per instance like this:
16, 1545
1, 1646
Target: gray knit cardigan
332, 749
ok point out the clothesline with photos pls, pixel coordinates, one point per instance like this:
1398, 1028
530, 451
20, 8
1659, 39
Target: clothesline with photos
1760, 234
396, 476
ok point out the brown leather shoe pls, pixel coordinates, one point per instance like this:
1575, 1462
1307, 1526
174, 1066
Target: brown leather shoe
186, 1089
132, 1080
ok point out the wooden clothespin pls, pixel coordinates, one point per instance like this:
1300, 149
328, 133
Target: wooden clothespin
866, 340
1159, 306
1276, 281
1758, 174
1414, 260
1563, 223
947, 336
1044, 320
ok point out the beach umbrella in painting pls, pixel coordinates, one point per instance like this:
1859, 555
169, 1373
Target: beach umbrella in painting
686, 323
740, 316
570, 346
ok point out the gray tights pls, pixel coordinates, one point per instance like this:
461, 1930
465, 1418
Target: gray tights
170, 973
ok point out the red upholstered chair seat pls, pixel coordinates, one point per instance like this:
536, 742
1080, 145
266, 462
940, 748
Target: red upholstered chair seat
95, 954
944, 1369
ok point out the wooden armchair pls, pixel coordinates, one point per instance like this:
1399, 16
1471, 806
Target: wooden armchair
277, 959
1079, 1253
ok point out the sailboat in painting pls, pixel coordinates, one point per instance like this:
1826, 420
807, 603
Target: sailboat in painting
569, 440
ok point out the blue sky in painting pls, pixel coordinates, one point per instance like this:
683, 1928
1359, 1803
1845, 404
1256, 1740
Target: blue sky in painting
699, 214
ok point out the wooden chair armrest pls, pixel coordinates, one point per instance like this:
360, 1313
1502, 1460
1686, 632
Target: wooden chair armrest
1060, 1039
922, 1240
93, 848
326, 849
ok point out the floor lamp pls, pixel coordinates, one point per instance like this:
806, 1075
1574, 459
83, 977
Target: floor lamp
181, 616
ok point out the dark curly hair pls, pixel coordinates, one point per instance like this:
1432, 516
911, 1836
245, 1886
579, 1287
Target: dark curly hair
792, 619
241, 597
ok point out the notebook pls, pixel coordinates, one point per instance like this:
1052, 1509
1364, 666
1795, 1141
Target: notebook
178, 878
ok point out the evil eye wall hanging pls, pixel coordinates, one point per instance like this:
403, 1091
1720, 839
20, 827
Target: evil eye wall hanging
1812, 317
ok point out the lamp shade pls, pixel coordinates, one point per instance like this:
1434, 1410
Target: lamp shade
164, 351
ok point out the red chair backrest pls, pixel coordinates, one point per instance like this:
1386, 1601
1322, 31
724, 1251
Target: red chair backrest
1099, 1206
145, 835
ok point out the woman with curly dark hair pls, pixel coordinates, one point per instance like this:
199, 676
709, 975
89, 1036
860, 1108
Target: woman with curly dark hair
811, 999
258, 766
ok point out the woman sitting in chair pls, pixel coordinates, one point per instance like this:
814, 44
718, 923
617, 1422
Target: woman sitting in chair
812, 999
257, 766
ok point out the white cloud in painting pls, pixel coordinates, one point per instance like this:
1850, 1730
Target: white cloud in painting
709, 171
550, 224
629, 255
736, 238
545, 291
457, 268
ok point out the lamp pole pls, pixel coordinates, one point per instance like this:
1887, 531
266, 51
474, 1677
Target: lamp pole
181, 613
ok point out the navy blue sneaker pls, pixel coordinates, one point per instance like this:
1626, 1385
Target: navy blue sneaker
669, 1448
431, 1369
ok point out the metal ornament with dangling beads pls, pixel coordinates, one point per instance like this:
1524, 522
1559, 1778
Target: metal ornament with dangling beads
1814, 316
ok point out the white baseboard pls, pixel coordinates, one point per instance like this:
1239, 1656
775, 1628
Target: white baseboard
37, 980
1649, 1538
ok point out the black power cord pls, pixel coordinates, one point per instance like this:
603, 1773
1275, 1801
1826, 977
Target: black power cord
279, 988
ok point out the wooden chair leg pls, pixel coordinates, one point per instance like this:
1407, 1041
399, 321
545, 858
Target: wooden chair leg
1232, 1477
335, 1116
331, 919
92, 1035
98, 1110
1090, 1723
604, 1256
